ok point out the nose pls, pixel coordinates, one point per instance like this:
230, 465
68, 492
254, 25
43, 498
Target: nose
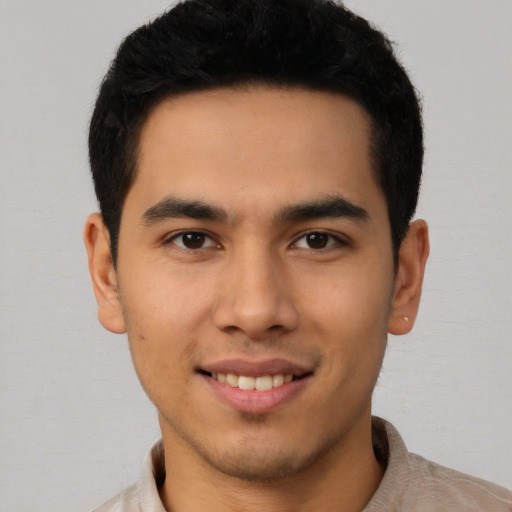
255, 296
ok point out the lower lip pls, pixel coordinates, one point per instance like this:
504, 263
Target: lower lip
256, 402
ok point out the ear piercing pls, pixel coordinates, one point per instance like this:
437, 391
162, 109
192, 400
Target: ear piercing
406, 318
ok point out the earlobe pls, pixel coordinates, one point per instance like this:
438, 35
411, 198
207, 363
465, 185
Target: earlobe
409, 278
103, 275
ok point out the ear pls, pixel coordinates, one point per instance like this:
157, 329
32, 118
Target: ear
103, 275
412, 259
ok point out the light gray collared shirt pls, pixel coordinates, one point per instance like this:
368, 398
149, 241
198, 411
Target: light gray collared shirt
410, 483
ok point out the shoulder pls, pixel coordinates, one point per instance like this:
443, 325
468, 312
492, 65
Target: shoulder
414, 484
142, 495
126, 501
453, 490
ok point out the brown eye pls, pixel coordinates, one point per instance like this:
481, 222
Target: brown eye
193, 240
317, 240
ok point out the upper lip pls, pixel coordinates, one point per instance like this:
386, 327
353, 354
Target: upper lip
248, 368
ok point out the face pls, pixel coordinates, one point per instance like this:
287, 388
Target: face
255, 276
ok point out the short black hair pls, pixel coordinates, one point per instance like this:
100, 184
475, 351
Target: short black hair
204, 44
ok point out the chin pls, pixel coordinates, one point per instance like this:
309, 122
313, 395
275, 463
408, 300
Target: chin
261, 466
251, 459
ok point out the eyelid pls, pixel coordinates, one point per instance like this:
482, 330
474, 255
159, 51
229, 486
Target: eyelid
335, 239
338, 240
170, 239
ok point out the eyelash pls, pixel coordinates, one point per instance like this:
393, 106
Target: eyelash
331, 241
182, 246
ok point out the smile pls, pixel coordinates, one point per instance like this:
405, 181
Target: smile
256, 387
258, 394
260, 383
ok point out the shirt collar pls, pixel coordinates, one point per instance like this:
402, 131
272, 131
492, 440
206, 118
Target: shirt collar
389, 449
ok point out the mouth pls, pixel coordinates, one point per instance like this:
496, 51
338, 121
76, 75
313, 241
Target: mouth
255, 387
258, 383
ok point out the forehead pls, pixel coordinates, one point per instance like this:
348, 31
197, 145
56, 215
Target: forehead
261, 145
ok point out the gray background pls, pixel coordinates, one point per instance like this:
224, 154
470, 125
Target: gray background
74, 423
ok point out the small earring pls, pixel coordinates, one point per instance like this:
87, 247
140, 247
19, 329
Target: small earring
406, 318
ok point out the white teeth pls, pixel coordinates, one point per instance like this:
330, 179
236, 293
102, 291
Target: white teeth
246, 382
277, 380
232, 380
262, 383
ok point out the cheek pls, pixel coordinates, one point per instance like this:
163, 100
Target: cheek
350, 314
352, 300
163, 319
165, 303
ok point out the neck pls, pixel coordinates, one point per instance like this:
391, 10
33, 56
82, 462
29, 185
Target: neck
345, 478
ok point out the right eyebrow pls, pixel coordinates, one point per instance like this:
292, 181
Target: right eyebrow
328, 207
171, 207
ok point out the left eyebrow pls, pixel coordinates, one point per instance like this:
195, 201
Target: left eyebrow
330, 207
171, 207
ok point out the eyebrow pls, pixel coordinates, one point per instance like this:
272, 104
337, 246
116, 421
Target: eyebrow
170, 207
330, 207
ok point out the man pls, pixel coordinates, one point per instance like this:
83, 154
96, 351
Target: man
257, 166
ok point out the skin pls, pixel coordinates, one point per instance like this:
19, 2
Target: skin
255, 288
